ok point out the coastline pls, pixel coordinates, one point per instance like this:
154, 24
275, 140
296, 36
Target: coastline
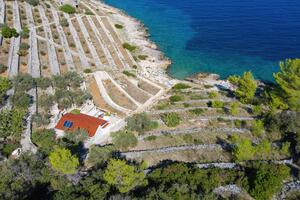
155, 67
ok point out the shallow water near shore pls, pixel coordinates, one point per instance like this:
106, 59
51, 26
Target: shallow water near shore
224, 37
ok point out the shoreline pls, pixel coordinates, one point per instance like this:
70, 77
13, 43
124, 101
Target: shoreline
156, 66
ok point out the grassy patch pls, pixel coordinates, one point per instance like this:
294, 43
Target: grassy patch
67, 8
142, 57
129, 74
176, 98
119, 26
197, 111
181, 86
129, 47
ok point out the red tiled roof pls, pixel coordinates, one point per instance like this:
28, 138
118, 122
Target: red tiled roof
81, 121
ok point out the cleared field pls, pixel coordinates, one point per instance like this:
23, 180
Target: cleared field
117, 96
44, 60
95, 42
97, 98
147, 87
81, 38
109, 45
135, 92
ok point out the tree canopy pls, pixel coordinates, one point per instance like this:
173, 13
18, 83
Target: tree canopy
288, 79
63, 161
141, 123
246, 86
124, 139
123, 176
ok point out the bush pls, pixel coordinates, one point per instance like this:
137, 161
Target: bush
181, 86
142, 57
257, 127
234, 108
64, 23
129, 74
33, 2
87, 71
197, 111
8, 32
256, 110
129, 47
141, 123
89, 12
75, 111
150, 138
45, 140
171, 119
67, 8
176, 98
119, 26
3, 68
213, 95
123, 140
99, 155
25, 33
216, 104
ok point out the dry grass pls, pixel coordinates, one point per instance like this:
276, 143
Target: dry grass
117, 96
108, 45
147, 87
95, 41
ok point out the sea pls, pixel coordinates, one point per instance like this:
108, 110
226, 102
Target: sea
225, 37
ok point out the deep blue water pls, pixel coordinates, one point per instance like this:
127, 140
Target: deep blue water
221, 36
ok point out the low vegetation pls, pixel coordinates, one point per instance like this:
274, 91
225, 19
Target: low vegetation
67, 8
129, 47
119, 26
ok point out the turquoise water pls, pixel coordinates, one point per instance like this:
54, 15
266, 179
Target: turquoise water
222, 36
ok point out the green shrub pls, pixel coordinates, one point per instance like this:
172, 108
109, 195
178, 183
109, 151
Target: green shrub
257, 127
8, 32
141, 123
87, 71
67, 8
129, 47
197, 111
150, 138
176, 98
123, 140
171, 119
89, 12
213, 95
142, 57
216, 104
25, 33
119, 26
75, 111
234, 108
181, 86
256, 110
129, 74
33, 2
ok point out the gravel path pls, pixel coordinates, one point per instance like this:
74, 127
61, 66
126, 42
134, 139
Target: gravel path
82, 56
33, 57
99, 76
64, 41
13, 58
113, 44
26, 142
101, 42
2, 16
139, 153
89, 43
53, 61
